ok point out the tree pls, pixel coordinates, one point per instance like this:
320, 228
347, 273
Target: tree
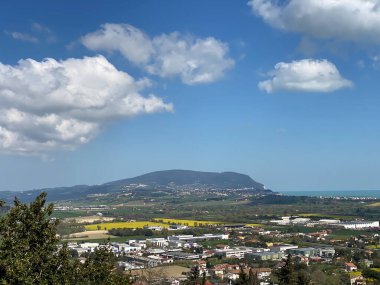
303, 277
204, 279
243, 277
247, 279
287, 275
253, 278
193, 277
198, 250
29, 243
30, 252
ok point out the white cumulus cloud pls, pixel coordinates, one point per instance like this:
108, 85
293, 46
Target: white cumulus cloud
57, 105
348, 20
305, 75
194, 60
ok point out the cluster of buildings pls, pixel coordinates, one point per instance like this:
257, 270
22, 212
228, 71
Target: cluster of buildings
294, 220
83, 208
244, 245
231, 272
138, 255
152, 251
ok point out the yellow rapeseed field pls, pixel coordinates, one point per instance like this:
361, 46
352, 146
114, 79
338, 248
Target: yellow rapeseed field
163, 222
254, 225
125, 225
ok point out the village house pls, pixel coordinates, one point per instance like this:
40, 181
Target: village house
349, 267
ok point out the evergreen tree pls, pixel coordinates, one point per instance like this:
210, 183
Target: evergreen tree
193, 277
98, 269
287, 274
253, 278
29, 243
247, 279
243, 277
303, 277
204, 280
30, 252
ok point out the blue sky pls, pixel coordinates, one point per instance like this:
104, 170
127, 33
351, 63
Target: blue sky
94, 91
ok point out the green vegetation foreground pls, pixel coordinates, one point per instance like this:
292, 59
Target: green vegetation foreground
30, 252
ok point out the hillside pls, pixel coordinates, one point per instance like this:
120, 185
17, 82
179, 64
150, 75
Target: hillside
189, 177
168, 180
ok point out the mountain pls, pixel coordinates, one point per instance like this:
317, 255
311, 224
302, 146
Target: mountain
189, 177
168, 180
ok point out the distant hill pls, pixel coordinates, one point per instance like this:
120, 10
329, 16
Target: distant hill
188, 177
167, 180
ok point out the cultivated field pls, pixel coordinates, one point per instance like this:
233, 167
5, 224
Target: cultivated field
321, 215
254, 225
90, 219
89, 235
163, 222
190, 223
376, 204
123, 225
170, 271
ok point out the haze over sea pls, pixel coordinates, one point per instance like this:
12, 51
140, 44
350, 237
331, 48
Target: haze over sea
341, 193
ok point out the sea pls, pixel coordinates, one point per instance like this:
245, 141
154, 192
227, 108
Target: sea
342, 193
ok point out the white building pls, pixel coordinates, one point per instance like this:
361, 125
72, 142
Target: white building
154, 228
236, 252
90, 246
190, 238
280, 222
283, 247
123, 247
300, 220
158, 242
359, 225
137, 242
329, 221
128, 266
79, 250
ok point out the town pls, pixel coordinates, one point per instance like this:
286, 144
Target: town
221, 253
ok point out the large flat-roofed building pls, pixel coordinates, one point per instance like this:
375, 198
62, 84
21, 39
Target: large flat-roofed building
123, 247
142, 261
327, 251
328, 221
159, 242
236, 252
182, 255
305, 251
190, 238
283, 247
266, 255
358, 225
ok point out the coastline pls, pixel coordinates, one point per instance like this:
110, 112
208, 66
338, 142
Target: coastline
334, 193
